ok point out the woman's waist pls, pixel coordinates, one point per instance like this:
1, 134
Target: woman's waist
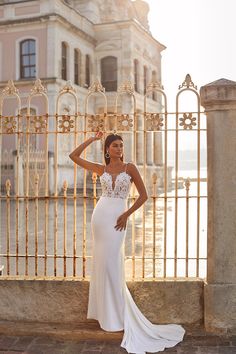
112, 202
107, 207
113, 198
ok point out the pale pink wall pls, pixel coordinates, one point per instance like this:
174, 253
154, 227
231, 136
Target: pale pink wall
26, 10
10, 108
8, 142
9, 61
10, 105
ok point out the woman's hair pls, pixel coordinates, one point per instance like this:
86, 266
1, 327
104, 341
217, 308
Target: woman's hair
109, 139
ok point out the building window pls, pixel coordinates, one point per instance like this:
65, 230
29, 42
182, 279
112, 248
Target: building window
87, 70
64, 61
27, 59
154, 80
77, 65
136, 75
145, 79
109, 73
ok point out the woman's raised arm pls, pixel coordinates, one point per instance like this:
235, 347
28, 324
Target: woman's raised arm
88, 165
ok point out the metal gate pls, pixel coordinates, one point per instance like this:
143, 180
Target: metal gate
46, 201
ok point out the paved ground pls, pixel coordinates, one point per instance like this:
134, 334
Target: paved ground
195, 342
46, 338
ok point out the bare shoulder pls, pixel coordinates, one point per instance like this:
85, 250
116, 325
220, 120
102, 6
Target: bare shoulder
136, 177
132, 169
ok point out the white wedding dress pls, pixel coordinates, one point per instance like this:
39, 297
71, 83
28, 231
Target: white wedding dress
110, 301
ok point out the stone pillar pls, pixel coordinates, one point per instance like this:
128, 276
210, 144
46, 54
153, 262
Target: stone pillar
219, 100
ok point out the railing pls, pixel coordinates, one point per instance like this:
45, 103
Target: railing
46, 203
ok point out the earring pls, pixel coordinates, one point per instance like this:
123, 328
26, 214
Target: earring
107, 155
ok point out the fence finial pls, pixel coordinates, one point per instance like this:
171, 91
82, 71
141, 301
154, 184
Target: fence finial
38, 88
126, 87
153, 86
96, 87
10, 89
68, 87
8, 187
188, 83
187, 183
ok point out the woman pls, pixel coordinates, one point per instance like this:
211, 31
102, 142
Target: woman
110, 301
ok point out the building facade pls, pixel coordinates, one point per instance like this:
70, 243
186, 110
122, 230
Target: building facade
80, 41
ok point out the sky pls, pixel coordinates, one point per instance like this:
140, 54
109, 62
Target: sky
200, 36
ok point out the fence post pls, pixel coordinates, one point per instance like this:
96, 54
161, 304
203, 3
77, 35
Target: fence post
219, 100
20, 176
50, 172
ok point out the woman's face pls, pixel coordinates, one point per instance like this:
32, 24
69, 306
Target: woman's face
116, 148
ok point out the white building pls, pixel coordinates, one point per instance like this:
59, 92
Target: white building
80, 41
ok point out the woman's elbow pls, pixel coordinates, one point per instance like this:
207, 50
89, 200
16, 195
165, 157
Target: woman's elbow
71, 156
144, 197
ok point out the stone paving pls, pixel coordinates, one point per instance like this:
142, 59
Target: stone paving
193, 343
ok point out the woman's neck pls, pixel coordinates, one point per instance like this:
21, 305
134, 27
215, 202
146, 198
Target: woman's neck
115, 162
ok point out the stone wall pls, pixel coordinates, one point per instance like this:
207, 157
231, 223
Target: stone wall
65, 301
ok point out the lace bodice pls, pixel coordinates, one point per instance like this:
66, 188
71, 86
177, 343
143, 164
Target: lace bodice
121, 188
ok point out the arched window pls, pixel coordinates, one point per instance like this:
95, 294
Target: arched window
145, 79
154, 80
87, 70
27, 59
77, 66
136, 75
109, 73
64, 61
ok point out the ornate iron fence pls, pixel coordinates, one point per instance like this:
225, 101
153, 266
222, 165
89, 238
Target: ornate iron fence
46, 202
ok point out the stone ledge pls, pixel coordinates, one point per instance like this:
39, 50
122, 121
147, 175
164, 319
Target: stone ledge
46, 301
79, 331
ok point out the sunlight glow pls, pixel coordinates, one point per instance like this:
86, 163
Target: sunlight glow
200, 40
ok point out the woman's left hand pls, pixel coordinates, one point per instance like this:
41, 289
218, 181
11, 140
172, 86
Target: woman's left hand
121, 222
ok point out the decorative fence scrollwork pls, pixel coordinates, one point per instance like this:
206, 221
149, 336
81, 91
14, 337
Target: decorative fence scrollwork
46, 202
